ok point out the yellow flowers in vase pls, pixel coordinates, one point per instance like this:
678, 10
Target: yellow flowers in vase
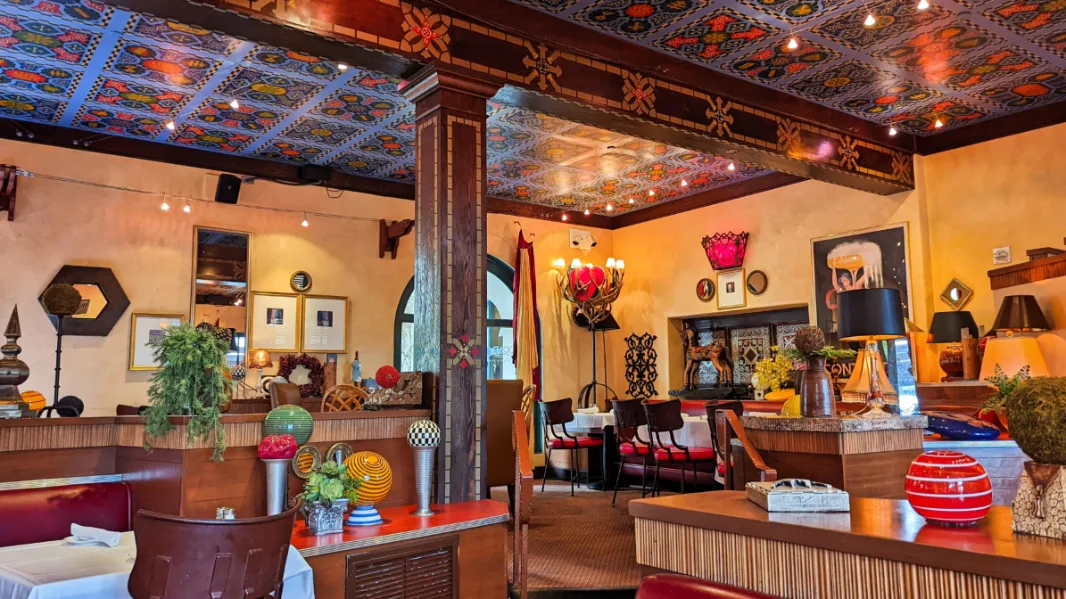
774, 372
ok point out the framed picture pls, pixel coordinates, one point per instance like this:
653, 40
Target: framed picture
731, 290
275, 321
146, 329
325, 324
867, 259
705, 290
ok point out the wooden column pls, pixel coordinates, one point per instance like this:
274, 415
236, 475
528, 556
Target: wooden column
450, 210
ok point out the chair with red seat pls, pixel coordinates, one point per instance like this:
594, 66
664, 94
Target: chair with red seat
675, 586
665, 418
713, 407
628, 418
558, 413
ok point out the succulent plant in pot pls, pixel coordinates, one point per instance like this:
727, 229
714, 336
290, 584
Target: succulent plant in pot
1037, 413
326, 496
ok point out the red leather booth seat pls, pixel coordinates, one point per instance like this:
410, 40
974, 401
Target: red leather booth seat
673, 586
38, 515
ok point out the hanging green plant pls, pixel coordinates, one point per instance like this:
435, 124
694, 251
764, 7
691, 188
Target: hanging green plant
190, 383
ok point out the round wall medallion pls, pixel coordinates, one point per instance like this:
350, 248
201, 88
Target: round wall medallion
757, 282
705, 290
300, 281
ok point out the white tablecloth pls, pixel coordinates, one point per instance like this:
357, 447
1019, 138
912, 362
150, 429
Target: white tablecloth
56, 570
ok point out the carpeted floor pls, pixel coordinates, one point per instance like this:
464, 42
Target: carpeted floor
581, 544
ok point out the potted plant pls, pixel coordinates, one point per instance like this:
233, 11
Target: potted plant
817, 399
994, 410
326, 495
190, 382
774, 373
1036, 410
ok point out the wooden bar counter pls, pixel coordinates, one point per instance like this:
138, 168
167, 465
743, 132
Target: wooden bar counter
178, 477
882, 549
457, 552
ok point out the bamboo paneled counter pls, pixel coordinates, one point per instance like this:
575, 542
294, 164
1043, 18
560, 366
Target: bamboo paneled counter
882, 549
177, 476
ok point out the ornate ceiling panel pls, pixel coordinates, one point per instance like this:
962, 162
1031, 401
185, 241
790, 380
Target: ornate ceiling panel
960, 61
84, 65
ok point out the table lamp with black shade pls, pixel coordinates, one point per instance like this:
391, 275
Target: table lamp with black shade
947, 328
1012, 349
869, 316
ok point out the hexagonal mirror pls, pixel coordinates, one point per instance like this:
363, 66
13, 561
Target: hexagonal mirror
93, 300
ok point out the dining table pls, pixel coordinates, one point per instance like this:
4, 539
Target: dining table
63, 570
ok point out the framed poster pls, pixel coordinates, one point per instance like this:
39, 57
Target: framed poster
867, 259
731, 290
146, 329
275, 321
325, 324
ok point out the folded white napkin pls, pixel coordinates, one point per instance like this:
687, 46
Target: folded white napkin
592, 410
107, 537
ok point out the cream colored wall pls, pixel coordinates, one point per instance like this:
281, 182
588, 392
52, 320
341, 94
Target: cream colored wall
1051, 295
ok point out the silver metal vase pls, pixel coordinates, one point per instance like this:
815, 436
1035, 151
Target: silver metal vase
423, 478
277, 484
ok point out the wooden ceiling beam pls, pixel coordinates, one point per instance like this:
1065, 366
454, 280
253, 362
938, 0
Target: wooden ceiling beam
1004, 126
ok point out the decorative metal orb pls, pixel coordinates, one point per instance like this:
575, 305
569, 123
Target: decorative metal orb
424, 433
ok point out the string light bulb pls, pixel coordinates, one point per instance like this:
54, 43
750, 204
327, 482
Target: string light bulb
170, 125
870, 21
923, 4
938, 124
892, 131
610, 207
587, 212
234, 104
164, 206
187, 209
684, 183
631, 200
793, 43
304, 222
342, 67
565, 217
651, 193
731, 167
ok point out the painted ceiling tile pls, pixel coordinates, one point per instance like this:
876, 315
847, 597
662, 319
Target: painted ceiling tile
137, 97
404, 172
320, 131
550, 5
385, 144
649, 150
118, 122
1030, 90
980, 70
505, 139
721, 33
154, 64
949, 111
513, 168
635, 18
404, 124
37, 77
791, 11
930, 52
1025, 16
83, 11
659, 171
594, 134
218, 112
555, 150
32, 108
775, 61
246, 83
1056, 42
179, 34
529, 119
614, 189
357, 107
358, 164
46, 41
876, 103
295, 152
894, 18
294, 62
376, 82
563, 180
841, 79
607, 164
218, 140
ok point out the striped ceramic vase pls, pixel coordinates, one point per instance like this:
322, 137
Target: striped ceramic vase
949, 488
375, 478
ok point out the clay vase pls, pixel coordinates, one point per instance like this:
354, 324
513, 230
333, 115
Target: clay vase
816, 392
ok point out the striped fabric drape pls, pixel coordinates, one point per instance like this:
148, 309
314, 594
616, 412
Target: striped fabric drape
526, 323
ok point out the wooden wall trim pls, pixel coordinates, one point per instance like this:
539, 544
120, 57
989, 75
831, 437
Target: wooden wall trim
1028, 272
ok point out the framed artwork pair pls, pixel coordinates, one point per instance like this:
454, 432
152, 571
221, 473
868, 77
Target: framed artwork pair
290, 322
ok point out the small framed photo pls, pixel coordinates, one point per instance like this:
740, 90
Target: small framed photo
325, 324
731, 290
1001, 255
275, 321
145, 330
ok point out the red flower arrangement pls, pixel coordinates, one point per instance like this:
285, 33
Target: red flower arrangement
318, 374
387, 377
277, 447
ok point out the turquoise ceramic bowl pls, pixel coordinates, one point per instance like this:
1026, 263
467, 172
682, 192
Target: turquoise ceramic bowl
289, 420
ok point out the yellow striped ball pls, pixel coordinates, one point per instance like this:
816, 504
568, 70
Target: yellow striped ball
374, 474
35, 399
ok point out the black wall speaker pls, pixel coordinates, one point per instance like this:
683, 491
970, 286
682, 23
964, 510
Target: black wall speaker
229, 187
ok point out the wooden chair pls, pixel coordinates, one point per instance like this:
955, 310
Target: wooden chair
284, 394
502, 398
665, 417
180, 558
728, 426
344, 398
558, 413
712, 408
529, 396
629, 416
523, 504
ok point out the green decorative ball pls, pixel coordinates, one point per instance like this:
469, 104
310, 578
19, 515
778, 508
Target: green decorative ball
1036, 414
809, 340
289, 420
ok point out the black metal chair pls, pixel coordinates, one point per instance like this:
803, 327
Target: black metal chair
665, 417
559, 413
629, 416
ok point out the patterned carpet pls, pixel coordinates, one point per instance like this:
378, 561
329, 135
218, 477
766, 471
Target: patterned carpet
581, 546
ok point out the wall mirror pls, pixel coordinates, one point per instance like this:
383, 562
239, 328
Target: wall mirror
300, 281
220, 284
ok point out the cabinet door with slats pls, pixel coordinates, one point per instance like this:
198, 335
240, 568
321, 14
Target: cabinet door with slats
404, 571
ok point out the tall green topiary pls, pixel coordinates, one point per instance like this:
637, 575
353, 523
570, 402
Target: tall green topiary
1036, 411
189, 383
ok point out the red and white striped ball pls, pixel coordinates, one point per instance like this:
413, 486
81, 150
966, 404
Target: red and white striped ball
949, 488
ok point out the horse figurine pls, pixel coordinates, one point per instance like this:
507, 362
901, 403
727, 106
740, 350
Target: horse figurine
694, 354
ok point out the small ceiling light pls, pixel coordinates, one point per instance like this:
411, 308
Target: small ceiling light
170, 125
923, 4
343, 67
793, 44
651, 193
238, 301
870, 21
938, 124
164, 206
234, 104
631, 200
587, 212
731, 167
892, 131
187, 209
565, 217
684, 183
610, 207
304, 222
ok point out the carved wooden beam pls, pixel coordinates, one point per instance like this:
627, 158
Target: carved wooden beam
605, 94
8, 186
391, 233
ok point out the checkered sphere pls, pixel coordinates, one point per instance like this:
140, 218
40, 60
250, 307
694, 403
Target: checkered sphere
424, 433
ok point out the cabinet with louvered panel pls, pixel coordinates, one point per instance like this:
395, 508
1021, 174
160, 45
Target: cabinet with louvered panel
406, 571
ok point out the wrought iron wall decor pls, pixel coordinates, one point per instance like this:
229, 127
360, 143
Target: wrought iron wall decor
725, 251
641, 372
